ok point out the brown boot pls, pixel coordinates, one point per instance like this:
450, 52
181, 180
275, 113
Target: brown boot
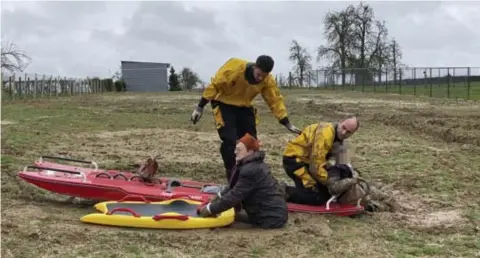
148, 169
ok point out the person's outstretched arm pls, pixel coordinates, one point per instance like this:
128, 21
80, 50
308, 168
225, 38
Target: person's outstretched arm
275, 101
235, 195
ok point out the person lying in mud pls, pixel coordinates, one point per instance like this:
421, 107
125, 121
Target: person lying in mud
252, 187
317, 162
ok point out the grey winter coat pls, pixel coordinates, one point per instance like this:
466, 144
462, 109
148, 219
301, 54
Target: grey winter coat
254, 187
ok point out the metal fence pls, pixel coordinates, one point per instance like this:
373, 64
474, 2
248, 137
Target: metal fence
450, 82
27, 86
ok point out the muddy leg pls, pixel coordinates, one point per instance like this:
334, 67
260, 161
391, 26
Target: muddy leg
379, 201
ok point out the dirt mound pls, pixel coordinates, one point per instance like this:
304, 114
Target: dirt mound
455, 124
448, 128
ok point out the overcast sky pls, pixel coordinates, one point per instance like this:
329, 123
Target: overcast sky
90, 38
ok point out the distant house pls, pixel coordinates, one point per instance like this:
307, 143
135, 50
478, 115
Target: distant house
145, 76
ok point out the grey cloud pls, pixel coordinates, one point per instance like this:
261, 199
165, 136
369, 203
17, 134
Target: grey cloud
49, 18
87, 38
171, 24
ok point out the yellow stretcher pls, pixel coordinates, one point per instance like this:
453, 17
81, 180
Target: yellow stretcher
170, 214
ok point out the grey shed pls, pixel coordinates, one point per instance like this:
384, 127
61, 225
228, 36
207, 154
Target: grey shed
145, 76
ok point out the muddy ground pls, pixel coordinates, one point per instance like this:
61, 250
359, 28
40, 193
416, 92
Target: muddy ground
426, 152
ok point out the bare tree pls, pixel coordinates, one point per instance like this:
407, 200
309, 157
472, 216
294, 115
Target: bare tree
338, 29
302, 59
117, 75
370, 44
395, 57
13, 59
363, 19
355, 39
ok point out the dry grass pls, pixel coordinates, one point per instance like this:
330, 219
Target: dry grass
425, 151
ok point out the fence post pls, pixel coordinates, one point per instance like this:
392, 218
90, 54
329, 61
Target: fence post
20, 86
415, 79
449, 76
431, 85
50, 87
55, 86
27, 86
70, 87
25, 92
42, 89
10, 83
468, 83
35, 87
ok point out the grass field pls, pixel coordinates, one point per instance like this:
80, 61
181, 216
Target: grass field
425, 151
452, 91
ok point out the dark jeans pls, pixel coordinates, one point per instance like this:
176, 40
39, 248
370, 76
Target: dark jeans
237, 122
299, 194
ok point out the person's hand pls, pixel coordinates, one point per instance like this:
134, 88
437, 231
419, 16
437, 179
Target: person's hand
204, 211
196, 114
216, 197
293, 128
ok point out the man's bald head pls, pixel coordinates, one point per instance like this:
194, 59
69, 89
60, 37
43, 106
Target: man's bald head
347, 127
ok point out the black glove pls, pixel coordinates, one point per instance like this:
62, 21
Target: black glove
293, 128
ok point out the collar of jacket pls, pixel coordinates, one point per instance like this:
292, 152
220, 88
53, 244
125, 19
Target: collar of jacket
336, 139
255, 157
249, 74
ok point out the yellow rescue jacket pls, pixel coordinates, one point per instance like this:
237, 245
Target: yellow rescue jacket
229, 86
311, 147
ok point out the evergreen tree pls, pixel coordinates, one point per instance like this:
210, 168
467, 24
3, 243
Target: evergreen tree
173, 80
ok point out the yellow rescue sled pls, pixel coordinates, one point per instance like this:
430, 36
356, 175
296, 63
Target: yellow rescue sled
169, 214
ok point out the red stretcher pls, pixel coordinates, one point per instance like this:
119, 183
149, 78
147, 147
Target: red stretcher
113, 185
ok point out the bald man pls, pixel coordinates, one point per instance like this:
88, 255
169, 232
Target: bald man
306, 157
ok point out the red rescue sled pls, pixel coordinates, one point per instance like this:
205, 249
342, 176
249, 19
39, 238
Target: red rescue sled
113, 185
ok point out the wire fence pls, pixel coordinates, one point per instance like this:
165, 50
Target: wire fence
28, 86
449, 82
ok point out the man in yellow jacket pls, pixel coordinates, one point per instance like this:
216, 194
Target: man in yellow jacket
231, 93
305, 161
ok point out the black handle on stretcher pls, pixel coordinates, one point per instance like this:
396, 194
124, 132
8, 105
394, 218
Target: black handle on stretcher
173, 181
55, 169
68, 159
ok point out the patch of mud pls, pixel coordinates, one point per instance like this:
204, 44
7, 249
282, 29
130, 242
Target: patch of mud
408, 202
368, 102
447, 128
447, 123
438, 219
8, 122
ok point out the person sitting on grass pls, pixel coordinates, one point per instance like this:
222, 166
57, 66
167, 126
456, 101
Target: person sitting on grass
253, 187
